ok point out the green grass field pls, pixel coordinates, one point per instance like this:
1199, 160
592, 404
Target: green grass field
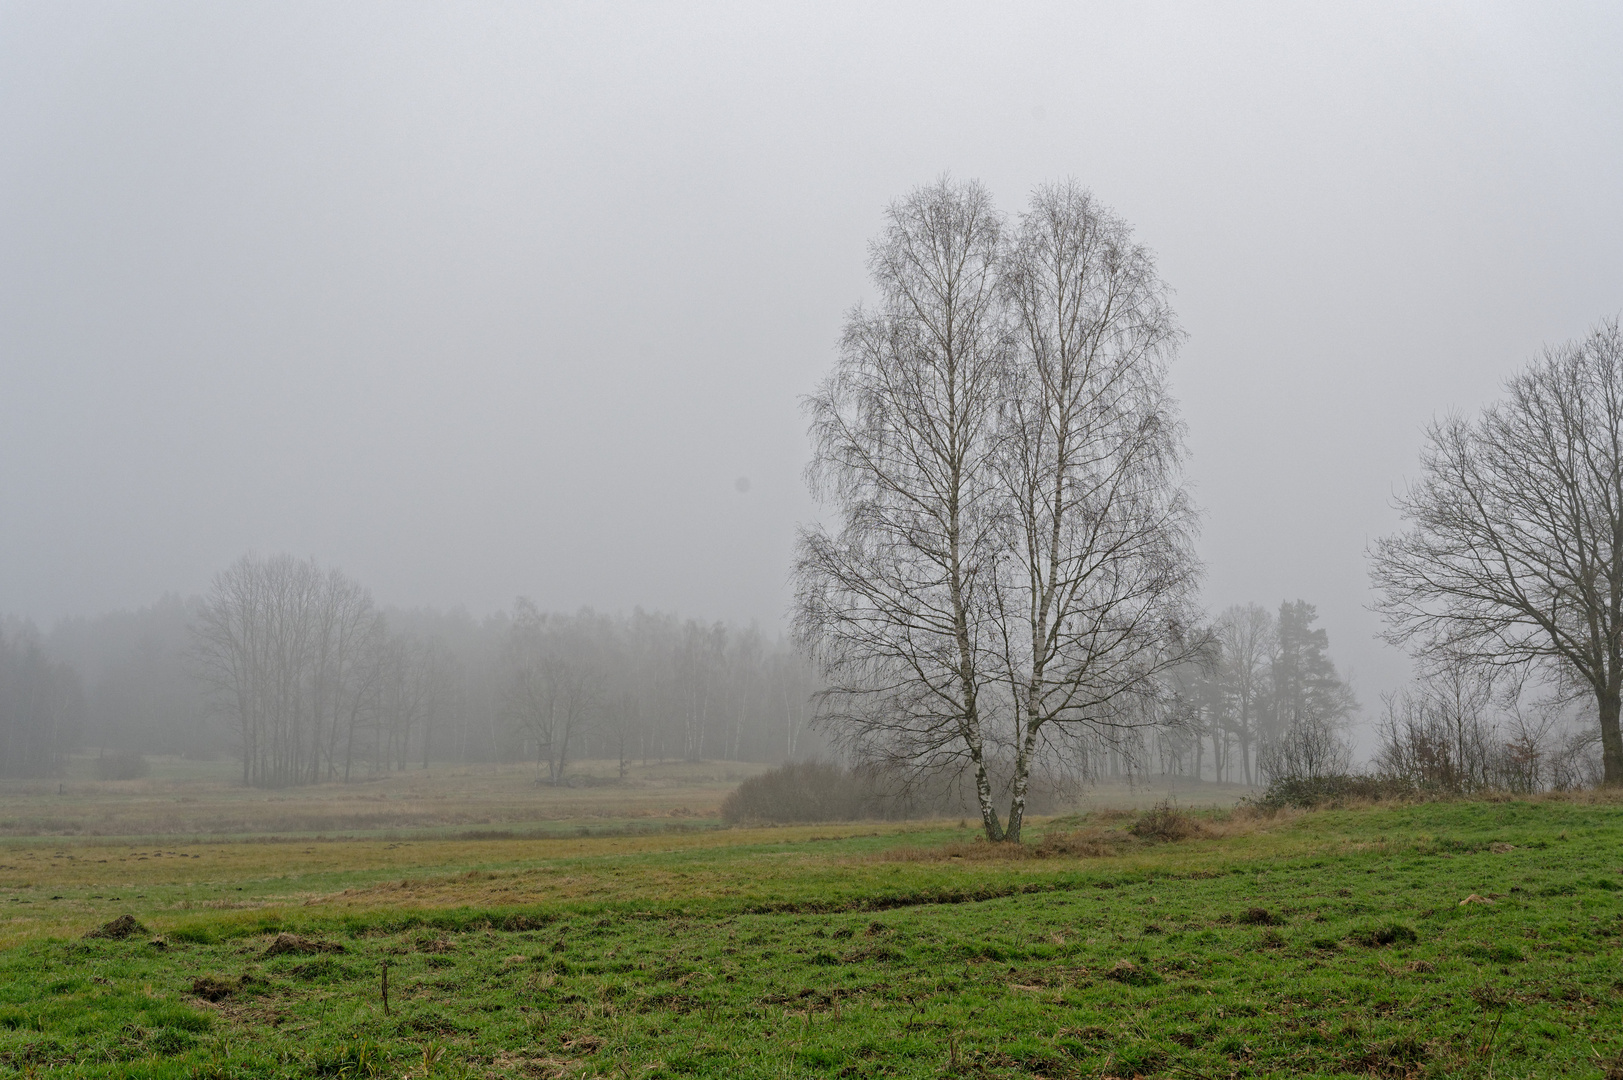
1330, 943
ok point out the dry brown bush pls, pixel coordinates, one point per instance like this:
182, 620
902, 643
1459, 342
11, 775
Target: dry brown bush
1165, 822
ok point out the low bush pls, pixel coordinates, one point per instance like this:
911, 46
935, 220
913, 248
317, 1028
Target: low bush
1329, 791
1165, 822
804, 791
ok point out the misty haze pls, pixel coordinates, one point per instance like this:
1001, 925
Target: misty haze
707, 540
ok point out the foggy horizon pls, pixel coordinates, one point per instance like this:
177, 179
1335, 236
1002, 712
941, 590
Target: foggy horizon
481, 303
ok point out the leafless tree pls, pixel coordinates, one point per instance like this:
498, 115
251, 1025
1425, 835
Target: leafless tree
1513, 557
894, 604
1246, 639
553, 687
442, 670
1093, 598
296, 657
348, 633
284, 646
1013, 570
622, 724
791, 689
415, 683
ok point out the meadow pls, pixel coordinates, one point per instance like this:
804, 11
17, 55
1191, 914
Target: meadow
206, 799
1451, 939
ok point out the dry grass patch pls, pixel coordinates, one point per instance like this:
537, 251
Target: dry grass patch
1104, 834
208, 800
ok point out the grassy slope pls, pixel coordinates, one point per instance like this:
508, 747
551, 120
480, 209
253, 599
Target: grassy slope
816, 952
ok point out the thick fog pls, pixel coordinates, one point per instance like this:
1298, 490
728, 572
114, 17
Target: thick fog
483, 300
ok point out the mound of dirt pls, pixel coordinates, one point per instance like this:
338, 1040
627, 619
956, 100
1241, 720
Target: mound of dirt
300, 946
213, 988
218, 988
1130, 973
119, 929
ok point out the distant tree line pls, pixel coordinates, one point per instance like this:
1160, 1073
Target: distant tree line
649, 686
297, 673
294, 670
318, 685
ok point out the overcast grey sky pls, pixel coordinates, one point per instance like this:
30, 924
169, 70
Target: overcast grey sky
475, 300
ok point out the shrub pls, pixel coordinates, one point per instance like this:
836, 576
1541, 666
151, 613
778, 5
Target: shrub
803, 791
1333, 791
1309, 750
1164, 821
1084, 843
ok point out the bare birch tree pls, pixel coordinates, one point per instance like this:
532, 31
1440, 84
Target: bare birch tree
1094, 594
894, 601
1513, 558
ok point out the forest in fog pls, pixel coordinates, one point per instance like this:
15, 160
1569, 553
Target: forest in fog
295, 672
